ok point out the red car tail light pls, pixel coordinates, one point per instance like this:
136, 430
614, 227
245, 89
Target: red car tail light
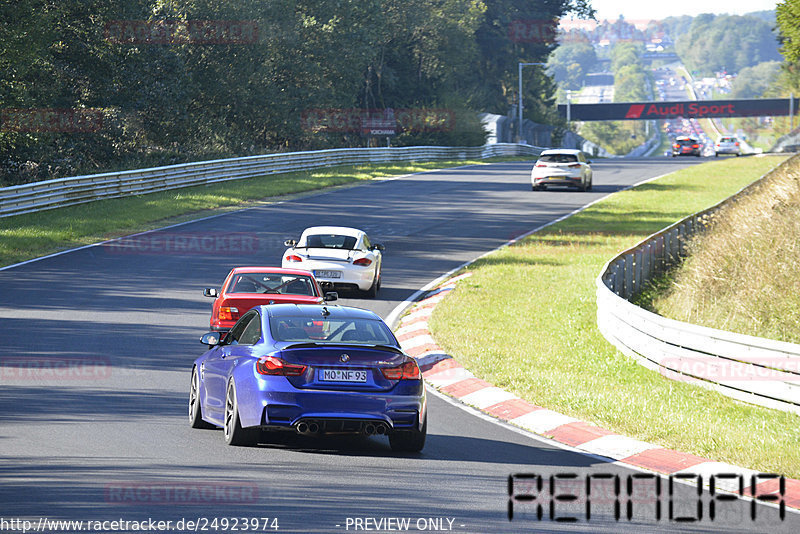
541, 165
736, 143
574, 165
362, 262
270, 365
406, 371
293, 257
228, 314
695, 146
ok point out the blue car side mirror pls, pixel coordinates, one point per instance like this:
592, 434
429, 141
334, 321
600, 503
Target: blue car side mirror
211, 339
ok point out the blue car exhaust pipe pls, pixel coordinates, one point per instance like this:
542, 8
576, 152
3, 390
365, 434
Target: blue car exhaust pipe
307, 428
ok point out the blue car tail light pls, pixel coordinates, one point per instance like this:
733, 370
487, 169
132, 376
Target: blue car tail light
406, 371
270, 365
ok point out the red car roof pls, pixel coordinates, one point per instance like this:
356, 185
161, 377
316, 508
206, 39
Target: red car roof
278, 270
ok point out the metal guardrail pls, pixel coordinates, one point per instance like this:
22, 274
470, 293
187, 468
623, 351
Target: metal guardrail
751, 369
38, 196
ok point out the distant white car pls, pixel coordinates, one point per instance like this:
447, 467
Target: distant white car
727, 145
339, 257
565, 167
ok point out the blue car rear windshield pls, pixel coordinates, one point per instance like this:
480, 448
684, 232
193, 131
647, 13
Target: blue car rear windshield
331, 241
328, 330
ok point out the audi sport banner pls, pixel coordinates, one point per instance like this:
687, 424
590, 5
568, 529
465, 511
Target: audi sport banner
695, 109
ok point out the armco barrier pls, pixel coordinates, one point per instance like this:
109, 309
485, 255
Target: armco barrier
51, 194
751, 369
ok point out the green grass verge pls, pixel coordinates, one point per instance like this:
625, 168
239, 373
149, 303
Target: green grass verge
526, 322
27, 236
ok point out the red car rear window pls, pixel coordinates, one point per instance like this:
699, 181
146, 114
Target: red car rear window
272, 283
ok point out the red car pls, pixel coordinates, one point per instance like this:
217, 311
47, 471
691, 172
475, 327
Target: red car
687, 146
246, 287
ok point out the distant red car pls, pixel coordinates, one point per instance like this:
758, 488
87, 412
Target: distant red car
687, 146
246, 287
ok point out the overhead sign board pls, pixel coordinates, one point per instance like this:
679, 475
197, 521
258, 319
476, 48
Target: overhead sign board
687, 109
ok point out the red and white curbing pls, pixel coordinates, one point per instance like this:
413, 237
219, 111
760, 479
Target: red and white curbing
448, 376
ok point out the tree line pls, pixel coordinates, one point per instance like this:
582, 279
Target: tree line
709, 43
92, 85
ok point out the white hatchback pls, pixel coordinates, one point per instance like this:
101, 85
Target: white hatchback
562, 167
727, 145
339, 257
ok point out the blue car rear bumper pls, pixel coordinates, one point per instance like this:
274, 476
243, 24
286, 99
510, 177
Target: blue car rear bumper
274, 401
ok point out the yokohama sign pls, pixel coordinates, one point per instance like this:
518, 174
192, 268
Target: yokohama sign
695, 109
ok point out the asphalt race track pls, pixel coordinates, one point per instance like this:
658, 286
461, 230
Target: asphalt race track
108, 439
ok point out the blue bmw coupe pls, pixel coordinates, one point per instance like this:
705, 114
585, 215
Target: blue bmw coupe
314, 369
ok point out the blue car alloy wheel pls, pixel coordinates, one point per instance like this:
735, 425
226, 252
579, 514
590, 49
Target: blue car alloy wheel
311, 369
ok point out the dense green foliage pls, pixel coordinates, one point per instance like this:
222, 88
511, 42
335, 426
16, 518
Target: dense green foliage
630, 78
571, 62
787, 14
675, 27
714, 43
166, 100
753, 82
788, 20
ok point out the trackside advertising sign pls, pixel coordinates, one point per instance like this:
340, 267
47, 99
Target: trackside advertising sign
687, 109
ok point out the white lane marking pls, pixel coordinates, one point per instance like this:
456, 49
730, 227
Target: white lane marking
617, 446
709, 469
421, 327
420, 313
417, 341
541, 421
449, 377
489, 396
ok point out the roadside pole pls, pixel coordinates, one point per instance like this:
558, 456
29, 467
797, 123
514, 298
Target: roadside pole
519, 97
